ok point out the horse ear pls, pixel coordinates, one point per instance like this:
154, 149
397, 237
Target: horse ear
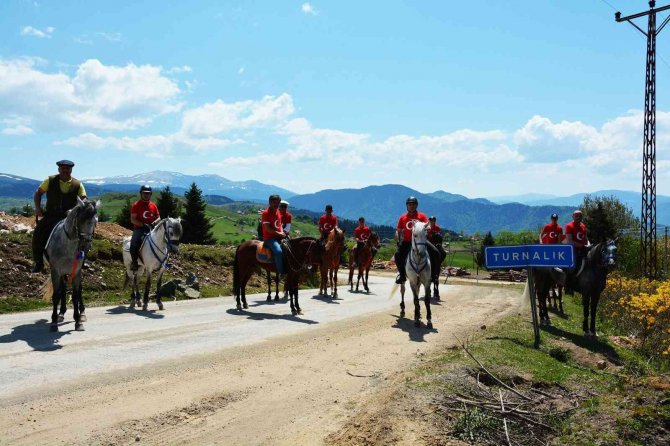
98, 204
80, 202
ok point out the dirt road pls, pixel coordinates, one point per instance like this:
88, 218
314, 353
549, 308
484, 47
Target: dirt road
202, 373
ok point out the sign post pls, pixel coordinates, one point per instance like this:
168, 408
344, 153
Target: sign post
530, 257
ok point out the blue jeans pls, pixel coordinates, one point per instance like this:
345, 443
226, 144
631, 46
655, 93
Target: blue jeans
274, 246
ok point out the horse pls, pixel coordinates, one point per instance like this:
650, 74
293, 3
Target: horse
436, 240
153, 256
544, 280
65, 251
299, 254
364, 261
592, 279
330, 261
418, 271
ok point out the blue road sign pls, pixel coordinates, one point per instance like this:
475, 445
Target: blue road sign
521, 256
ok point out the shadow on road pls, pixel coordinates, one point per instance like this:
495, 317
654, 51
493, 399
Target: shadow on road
269, 316
260, 303
407, 325
123, 309
326, 298
37, 335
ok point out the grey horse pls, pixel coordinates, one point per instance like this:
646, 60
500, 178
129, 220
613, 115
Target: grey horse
154, 252
418, 270
65, 251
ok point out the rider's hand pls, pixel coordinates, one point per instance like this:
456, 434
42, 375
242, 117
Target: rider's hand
39, 213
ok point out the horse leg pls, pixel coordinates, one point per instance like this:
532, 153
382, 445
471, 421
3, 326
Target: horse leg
436, 288
585, 305
417, 306
560, 299
82, 315
55, 299
297, 303
324, 278
365, 281
351, 275
159, 282
426, 299
269, 277
63, 307
134, 294
594, 307
147, 290
243, 292
335, 283
402, 299
76, 298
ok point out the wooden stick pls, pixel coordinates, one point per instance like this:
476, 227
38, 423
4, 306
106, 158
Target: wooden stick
502, 406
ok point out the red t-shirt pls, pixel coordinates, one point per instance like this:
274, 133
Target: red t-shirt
578, 233
433, 229
361, 234
274, 219
406, 223
286, 218
146, 211
327, 223
552, 233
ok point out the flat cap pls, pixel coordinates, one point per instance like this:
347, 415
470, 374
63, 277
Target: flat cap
65, 163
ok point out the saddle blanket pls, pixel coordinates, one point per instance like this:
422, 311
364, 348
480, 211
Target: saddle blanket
263, 255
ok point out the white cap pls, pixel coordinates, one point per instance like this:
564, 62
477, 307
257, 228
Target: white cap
283, 202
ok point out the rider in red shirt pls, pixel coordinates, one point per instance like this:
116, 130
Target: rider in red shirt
273, 232
327, 222
143, 215
286, 216
361, 234
551, 233
404, 234
575, 234
435, 237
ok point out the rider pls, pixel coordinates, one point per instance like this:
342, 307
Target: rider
551, 233
143, 215
286, 216
404, 234
327, 222
575, 234
361, 234
273, 232
435, 237
62, 191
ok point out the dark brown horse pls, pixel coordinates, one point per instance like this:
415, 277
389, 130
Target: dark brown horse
299, 254
544, 281
330, 261
364, 261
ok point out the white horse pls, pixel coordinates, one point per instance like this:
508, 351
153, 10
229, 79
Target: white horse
417, 269
66, 248
153, 256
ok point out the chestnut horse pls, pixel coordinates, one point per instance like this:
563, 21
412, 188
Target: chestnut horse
330, 262
364, 261
299, 254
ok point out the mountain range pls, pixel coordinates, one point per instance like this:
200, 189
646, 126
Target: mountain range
378, 204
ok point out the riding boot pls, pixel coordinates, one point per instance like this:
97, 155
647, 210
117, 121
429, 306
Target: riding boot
134, 266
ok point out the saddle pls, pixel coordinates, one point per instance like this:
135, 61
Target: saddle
263, 254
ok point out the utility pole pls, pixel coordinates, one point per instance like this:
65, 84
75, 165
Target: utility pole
648, 256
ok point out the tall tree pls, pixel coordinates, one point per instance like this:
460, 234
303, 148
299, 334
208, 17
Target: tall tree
168, 204
607, 217
197, 227
123, 218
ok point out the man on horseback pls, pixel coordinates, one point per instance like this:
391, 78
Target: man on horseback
435, 237
286, 216
327, 222
551, 233
575, 234
273, 232
143, 215
361, 235
404, 235
62, 191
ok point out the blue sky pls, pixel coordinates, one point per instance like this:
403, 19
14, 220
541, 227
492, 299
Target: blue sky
482, 99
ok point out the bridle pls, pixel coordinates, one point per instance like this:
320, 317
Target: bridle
306, 262
423, 257
169, 244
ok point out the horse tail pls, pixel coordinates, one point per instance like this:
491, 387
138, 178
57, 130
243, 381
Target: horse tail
236, 273
47, 290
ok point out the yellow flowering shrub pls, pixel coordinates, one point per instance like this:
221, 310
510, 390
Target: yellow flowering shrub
640, 308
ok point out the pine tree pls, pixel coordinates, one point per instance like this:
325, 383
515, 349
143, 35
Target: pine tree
123, 219
168, 204
197, 227
488, 240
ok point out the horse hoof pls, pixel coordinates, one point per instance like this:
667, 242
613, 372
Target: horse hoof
245, 306
429, 325
160, 306
53, 328
132, 305
417, 324
402, 313
293, 312
587, 334
276, 298
239, 307
145, 307
61, 317
79, 327
82, 317
268, 299
300, 311
593, 334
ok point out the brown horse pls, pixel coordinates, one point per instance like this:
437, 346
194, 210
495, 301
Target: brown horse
330, 262
299, 254
364, 261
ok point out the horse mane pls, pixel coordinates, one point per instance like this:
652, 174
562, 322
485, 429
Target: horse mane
333, 236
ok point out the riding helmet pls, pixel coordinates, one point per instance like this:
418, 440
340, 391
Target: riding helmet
146, 188
412, 199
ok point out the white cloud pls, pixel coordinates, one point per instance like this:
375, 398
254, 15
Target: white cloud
96, 97
34, 32
19, 130
111, 37
307, 8
182, 69
220, 117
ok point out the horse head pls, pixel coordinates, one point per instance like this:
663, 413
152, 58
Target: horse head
419, 238
608, 254
335, 239
373, 240
80, 222
173, 232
